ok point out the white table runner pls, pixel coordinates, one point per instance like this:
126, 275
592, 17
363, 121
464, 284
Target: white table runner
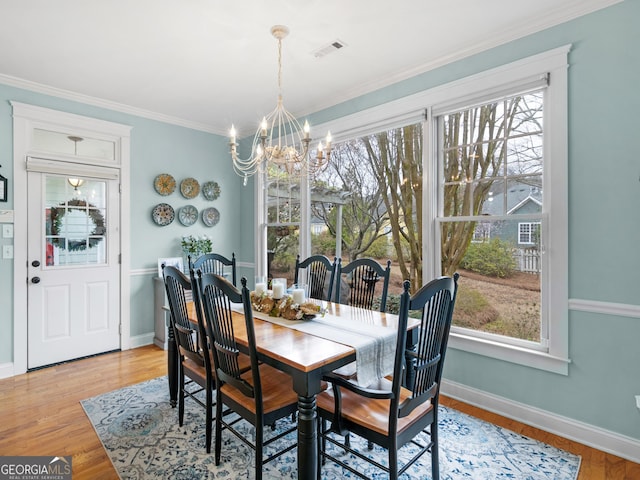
375, 345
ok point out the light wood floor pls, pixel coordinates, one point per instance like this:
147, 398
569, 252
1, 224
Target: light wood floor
40, 414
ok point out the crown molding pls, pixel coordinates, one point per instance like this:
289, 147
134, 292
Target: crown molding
107, 104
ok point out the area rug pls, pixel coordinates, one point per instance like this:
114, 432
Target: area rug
140, 432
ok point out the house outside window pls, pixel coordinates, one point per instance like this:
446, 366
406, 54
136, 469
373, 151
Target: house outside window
527, 232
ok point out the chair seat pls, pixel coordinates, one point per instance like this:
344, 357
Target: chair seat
371, 413
198, 373
277, 390
195, 371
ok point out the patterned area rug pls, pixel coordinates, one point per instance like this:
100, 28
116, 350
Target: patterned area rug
140, 432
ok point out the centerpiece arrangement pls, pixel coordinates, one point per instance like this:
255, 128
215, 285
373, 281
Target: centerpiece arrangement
290, 307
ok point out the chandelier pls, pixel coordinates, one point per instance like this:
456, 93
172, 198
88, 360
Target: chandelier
280, 142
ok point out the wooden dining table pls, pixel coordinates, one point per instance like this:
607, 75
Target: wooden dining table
306, 358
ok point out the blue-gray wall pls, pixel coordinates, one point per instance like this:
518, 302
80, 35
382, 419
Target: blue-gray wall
604, 230
156, 148
604, 200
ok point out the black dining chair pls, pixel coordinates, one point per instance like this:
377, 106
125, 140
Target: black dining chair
318, 272
362, 277
386, 413
192, 345
214, 263
261, 395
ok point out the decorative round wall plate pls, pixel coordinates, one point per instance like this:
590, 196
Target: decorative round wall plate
210, 216
188, 215
163, 214
210, 190
164, 184
190, 188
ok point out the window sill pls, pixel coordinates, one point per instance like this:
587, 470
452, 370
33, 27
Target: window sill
510, 353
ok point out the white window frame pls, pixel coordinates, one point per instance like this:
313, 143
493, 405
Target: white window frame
528, 233
488, 85
551, 354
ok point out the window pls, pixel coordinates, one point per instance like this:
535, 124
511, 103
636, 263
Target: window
491, 167
500, 214
528, 232
479, 187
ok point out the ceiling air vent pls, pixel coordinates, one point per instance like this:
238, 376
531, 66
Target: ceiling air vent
330, 48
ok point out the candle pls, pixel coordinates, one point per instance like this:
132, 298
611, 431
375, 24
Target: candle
232, 133
298, 295
278, 290
261, 288
263, 128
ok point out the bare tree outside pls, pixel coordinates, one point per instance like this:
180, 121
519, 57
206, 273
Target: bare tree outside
364, 216
395, 157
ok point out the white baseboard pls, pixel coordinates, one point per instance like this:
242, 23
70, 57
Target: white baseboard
6, 370
141, 340
590, 435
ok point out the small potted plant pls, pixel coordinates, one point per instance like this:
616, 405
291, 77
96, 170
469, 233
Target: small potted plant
195, 246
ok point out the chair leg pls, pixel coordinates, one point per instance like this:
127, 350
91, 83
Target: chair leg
181, 399
435, 457
324, 441
209, 404
218, 447
393, 462
258, 452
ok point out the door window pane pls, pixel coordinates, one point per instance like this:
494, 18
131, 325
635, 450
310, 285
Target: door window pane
75, 221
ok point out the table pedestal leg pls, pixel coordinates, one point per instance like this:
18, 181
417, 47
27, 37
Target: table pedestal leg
307, 438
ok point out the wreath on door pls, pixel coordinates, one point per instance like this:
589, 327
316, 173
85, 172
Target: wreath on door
58, 213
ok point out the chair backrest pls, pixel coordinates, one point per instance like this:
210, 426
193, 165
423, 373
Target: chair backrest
363, 275
191, 339
217, 294
436, 301
214, 263
317, 267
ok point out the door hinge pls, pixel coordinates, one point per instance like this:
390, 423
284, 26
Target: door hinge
119, 259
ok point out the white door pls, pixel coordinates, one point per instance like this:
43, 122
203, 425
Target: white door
73, 251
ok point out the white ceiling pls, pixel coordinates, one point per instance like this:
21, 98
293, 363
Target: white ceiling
207, 63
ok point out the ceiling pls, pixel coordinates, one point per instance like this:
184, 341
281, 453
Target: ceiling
207, 64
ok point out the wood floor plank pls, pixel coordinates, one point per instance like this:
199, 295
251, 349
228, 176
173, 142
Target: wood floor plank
41, 414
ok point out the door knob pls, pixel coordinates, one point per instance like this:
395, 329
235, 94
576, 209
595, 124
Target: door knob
35, 280
35, 263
